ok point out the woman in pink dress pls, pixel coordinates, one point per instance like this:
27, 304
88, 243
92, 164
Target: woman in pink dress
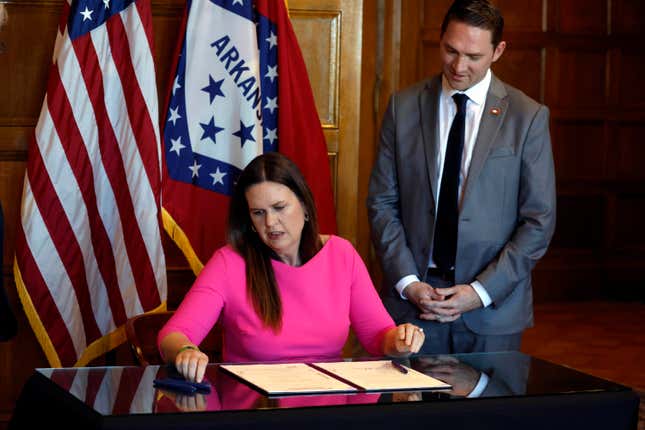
280, 290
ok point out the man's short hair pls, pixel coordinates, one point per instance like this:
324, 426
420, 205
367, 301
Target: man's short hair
477, 13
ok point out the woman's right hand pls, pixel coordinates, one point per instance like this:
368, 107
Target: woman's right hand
191, 364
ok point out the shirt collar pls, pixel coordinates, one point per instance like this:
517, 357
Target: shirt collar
476, 93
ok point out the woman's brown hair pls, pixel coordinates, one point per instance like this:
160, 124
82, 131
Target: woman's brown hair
261, 285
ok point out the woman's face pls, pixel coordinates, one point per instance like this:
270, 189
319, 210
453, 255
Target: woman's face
278, 217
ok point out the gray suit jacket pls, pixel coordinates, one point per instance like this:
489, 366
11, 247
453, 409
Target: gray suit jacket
507, 213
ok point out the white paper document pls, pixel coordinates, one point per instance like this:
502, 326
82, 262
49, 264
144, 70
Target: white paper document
381, 375
291, 378
334, 377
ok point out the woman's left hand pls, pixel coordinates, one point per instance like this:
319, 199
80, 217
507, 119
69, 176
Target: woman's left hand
404, 339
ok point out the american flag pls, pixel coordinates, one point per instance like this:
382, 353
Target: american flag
240, 89
88, 251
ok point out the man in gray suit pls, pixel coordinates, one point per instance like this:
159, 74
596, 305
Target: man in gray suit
462, 194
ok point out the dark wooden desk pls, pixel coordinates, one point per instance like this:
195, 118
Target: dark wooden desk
520, 392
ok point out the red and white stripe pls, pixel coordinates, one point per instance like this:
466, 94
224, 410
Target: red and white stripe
89, 248
110, 390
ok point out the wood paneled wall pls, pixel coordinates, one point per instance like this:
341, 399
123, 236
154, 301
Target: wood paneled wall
585, 60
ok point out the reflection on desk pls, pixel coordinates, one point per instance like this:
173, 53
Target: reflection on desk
523, 387
482, 375
230, 394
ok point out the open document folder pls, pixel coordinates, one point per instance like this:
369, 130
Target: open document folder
333, 377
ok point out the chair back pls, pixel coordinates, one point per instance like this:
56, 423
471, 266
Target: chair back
142, 331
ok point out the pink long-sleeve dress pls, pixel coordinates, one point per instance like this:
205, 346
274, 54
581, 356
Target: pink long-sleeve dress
320, 301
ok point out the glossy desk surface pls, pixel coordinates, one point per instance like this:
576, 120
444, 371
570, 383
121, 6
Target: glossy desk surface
116, 391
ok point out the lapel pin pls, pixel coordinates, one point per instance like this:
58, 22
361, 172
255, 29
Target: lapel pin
495, 111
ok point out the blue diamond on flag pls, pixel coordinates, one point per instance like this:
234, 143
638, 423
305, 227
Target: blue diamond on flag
223, 109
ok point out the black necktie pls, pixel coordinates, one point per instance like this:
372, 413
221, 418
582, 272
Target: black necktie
445, 233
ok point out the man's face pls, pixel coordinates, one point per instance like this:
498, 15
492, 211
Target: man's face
466, 54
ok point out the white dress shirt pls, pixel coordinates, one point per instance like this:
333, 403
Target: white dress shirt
447, 111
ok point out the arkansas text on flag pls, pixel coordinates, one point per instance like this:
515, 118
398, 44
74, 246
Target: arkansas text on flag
240, 89
88, 246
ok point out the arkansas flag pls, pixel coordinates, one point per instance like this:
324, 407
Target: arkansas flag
88, 245
240, 89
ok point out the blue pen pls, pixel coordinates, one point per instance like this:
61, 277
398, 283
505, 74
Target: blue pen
201, 386
175, 385
401, 368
